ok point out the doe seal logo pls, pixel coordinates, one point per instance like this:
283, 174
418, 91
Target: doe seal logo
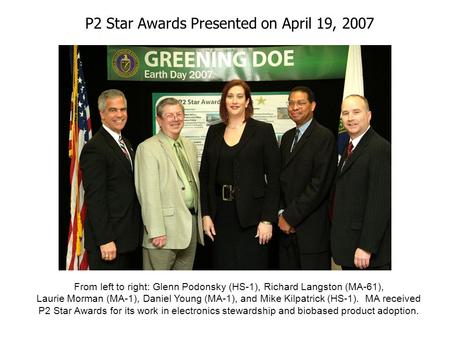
125, 63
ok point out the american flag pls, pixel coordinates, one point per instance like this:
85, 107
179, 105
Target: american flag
80, 132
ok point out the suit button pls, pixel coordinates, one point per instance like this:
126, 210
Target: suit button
182, 188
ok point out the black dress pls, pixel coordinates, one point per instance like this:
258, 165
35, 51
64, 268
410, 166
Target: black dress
234, 247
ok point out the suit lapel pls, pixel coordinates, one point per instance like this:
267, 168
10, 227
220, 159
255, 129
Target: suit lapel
216, 145
191, 160
363, 143
342, 161
247, 135
117, 151
130, 149
286, 146
169, 152
301, 143
173, 157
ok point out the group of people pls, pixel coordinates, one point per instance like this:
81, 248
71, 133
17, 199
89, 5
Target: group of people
151, 208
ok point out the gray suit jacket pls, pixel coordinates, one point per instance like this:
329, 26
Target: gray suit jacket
160, 192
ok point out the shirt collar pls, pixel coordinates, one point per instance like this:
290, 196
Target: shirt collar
357, 139
114, 135
168, 139
304, 126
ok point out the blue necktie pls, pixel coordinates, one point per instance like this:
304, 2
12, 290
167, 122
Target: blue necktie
296, 138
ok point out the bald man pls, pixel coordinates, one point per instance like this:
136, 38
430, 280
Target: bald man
361, 222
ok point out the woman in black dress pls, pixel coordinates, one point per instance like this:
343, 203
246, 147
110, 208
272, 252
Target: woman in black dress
239, 183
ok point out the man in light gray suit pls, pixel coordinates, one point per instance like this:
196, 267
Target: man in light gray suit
166, 178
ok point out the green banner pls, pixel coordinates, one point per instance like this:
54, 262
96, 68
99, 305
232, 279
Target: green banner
272, 63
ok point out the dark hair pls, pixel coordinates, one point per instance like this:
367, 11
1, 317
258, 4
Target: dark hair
303, 89
223, 106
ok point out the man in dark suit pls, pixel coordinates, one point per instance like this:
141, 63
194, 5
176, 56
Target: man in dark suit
113, 223
361, 223
309, 156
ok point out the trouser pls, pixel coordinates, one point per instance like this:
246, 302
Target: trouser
172, 259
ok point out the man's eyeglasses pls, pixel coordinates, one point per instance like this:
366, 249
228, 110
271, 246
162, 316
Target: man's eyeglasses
300, 103
172, 117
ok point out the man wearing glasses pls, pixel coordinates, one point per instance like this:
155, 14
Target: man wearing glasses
167, 185
308, 155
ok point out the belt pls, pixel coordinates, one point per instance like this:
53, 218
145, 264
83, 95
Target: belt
226, 192
192, 211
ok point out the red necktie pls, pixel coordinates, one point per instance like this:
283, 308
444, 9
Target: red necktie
349, 152
349, 149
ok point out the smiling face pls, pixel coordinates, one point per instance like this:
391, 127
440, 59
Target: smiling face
236, 102
355, 115
171, 120
300, 109
115, 115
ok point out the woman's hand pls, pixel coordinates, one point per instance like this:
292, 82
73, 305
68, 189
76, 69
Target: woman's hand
264, 232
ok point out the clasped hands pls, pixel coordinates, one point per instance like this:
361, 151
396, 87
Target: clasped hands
284, 226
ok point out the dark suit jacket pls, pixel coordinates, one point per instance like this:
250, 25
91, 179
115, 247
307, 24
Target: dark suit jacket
362, 211
256, 173
307, 175
113, 211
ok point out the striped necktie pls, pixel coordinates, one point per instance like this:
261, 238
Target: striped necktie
188, 172
296, 138
124, 148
